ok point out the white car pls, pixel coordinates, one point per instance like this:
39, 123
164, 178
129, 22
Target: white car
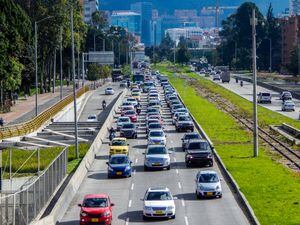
216, 77
109, 91
132, 100
158, 203
92, 118
288, 105
122, 120
208, 184
157, 137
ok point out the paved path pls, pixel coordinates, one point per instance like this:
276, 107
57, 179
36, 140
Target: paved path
247, 90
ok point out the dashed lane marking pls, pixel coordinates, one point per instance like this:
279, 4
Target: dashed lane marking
136, 160
129, 203
186, 220
182, 202
179, 185
127, 221
132, 186
177, 171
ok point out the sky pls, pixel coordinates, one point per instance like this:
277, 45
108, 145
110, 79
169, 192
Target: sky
164, 5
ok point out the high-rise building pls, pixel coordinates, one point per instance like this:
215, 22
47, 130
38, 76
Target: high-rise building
90, 6
145, 9
294, 7
130, 21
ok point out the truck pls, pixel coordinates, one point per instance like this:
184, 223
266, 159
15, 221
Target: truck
138, 77
116, 75
225, 76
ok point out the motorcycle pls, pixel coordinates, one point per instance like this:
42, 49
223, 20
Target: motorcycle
112, 135
241, 83
104, 105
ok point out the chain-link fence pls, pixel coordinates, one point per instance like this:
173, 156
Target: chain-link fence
23, 206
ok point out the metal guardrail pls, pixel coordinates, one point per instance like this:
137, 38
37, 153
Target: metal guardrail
23, 206
35, 123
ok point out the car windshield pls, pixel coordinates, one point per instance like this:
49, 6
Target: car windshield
208, 178
129, 113
130, 100
91, 117
158, 196
266, 94
152, 110
109, 89
148, 84
118, 142
154, 126
118, 160
198, 146
184, 118
95, 203
156, 150
121, 120
156, 134
192, 136
128, 126
177, 106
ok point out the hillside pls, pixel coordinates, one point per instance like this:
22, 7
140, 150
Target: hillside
165, 6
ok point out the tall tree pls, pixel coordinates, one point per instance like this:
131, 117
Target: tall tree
183, 54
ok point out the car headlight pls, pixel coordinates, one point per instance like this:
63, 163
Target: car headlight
147, 208
83, 213
110, 169
169, 208
218, 187
189, 156
107, 213
200, 187
127, 168
209, 156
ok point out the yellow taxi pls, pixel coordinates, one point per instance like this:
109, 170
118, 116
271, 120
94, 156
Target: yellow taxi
118, 146
136, 96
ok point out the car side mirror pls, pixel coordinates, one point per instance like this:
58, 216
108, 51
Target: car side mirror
109, 144
80, 205
142, 199
112, 204
107, 163
143, 153
221, 179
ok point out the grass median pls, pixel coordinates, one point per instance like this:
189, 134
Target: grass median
271, 189
29, 160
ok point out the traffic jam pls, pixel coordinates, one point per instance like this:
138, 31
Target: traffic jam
145, 114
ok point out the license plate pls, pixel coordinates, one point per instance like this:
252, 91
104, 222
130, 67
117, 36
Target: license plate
209, 193
119, 173
156, 164
94, 220
159, 212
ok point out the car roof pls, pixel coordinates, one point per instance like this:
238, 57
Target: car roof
158, 189
119, 138
192, 133
124, 117
95, 196
207, 172
198, 140
156, 130
119, 155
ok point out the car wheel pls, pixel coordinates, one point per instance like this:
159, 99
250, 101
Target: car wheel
197, 195
211, 164
135, 136
169, 167
145, 217
173, 217
220, 196
145, 168
187, 165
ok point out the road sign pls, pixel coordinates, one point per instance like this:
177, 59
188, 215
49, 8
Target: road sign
103, 58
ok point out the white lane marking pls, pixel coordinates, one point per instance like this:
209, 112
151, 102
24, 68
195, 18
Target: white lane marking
182, 202
127, 221
179, 185
177, 171
132, 186
174, 159
136, 160
186, 220
134, 172
129, 204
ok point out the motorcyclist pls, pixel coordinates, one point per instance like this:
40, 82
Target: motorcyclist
242, 83
138, 108
1, 122
103, 104
112, 133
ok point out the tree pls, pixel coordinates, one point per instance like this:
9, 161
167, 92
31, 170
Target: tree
183, 54
93, 72
293, 66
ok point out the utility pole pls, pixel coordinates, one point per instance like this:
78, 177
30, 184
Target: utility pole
94, 43
174, 58
54, 71
61, 66
270, 55
235, 54
74, 85
217, 13
36, 69
255, 126
83, 72
78, 67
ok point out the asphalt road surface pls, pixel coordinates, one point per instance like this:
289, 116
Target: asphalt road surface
247, 90
127, 193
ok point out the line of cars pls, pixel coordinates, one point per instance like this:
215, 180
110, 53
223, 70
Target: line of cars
158, 202
286, 97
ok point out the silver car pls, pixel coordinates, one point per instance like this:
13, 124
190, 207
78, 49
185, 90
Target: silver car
208, 184
288, 105
157, 137
157, 157
109, 91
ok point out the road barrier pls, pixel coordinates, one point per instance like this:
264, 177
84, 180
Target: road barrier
247, 209
62, 204
35, 123
23, 206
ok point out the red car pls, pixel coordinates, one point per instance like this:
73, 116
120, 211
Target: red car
96, 209
132, 115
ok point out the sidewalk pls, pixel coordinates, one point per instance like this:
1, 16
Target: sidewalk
24, 110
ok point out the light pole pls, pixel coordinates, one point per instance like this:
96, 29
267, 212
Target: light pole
83, 73
253, 22
61, 66
74, 85
270, 55
35, 61
174, 58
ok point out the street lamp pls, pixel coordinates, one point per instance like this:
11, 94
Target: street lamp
35, 61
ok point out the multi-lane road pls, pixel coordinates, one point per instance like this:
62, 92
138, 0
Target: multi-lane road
127, 193
247, 90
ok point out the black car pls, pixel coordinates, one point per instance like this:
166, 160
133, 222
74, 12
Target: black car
184, 123
128, 130
198, 152
188, 137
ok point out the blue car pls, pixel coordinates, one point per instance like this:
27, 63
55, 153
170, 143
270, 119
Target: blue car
119, 166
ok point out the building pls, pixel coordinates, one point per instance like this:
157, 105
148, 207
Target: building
130, 21
290, 34
90, 6
188, 32
145, 10
294, 7
184, 13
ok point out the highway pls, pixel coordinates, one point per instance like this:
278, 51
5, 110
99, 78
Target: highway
247, 90
127, 193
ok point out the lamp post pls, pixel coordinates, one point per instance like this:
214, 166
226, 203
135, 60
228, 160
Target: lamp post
35, 61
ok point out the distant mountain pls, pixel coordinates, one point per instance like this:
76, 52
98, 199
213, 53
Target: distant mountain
170, 5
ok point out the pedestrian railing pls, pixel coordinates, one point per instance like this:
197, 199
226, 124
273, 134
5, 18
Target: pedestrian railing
23, 207
35, 123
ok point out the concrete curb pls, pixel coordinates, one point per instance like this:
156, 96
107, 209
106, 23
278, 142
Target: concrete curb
247, 209
70, 190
